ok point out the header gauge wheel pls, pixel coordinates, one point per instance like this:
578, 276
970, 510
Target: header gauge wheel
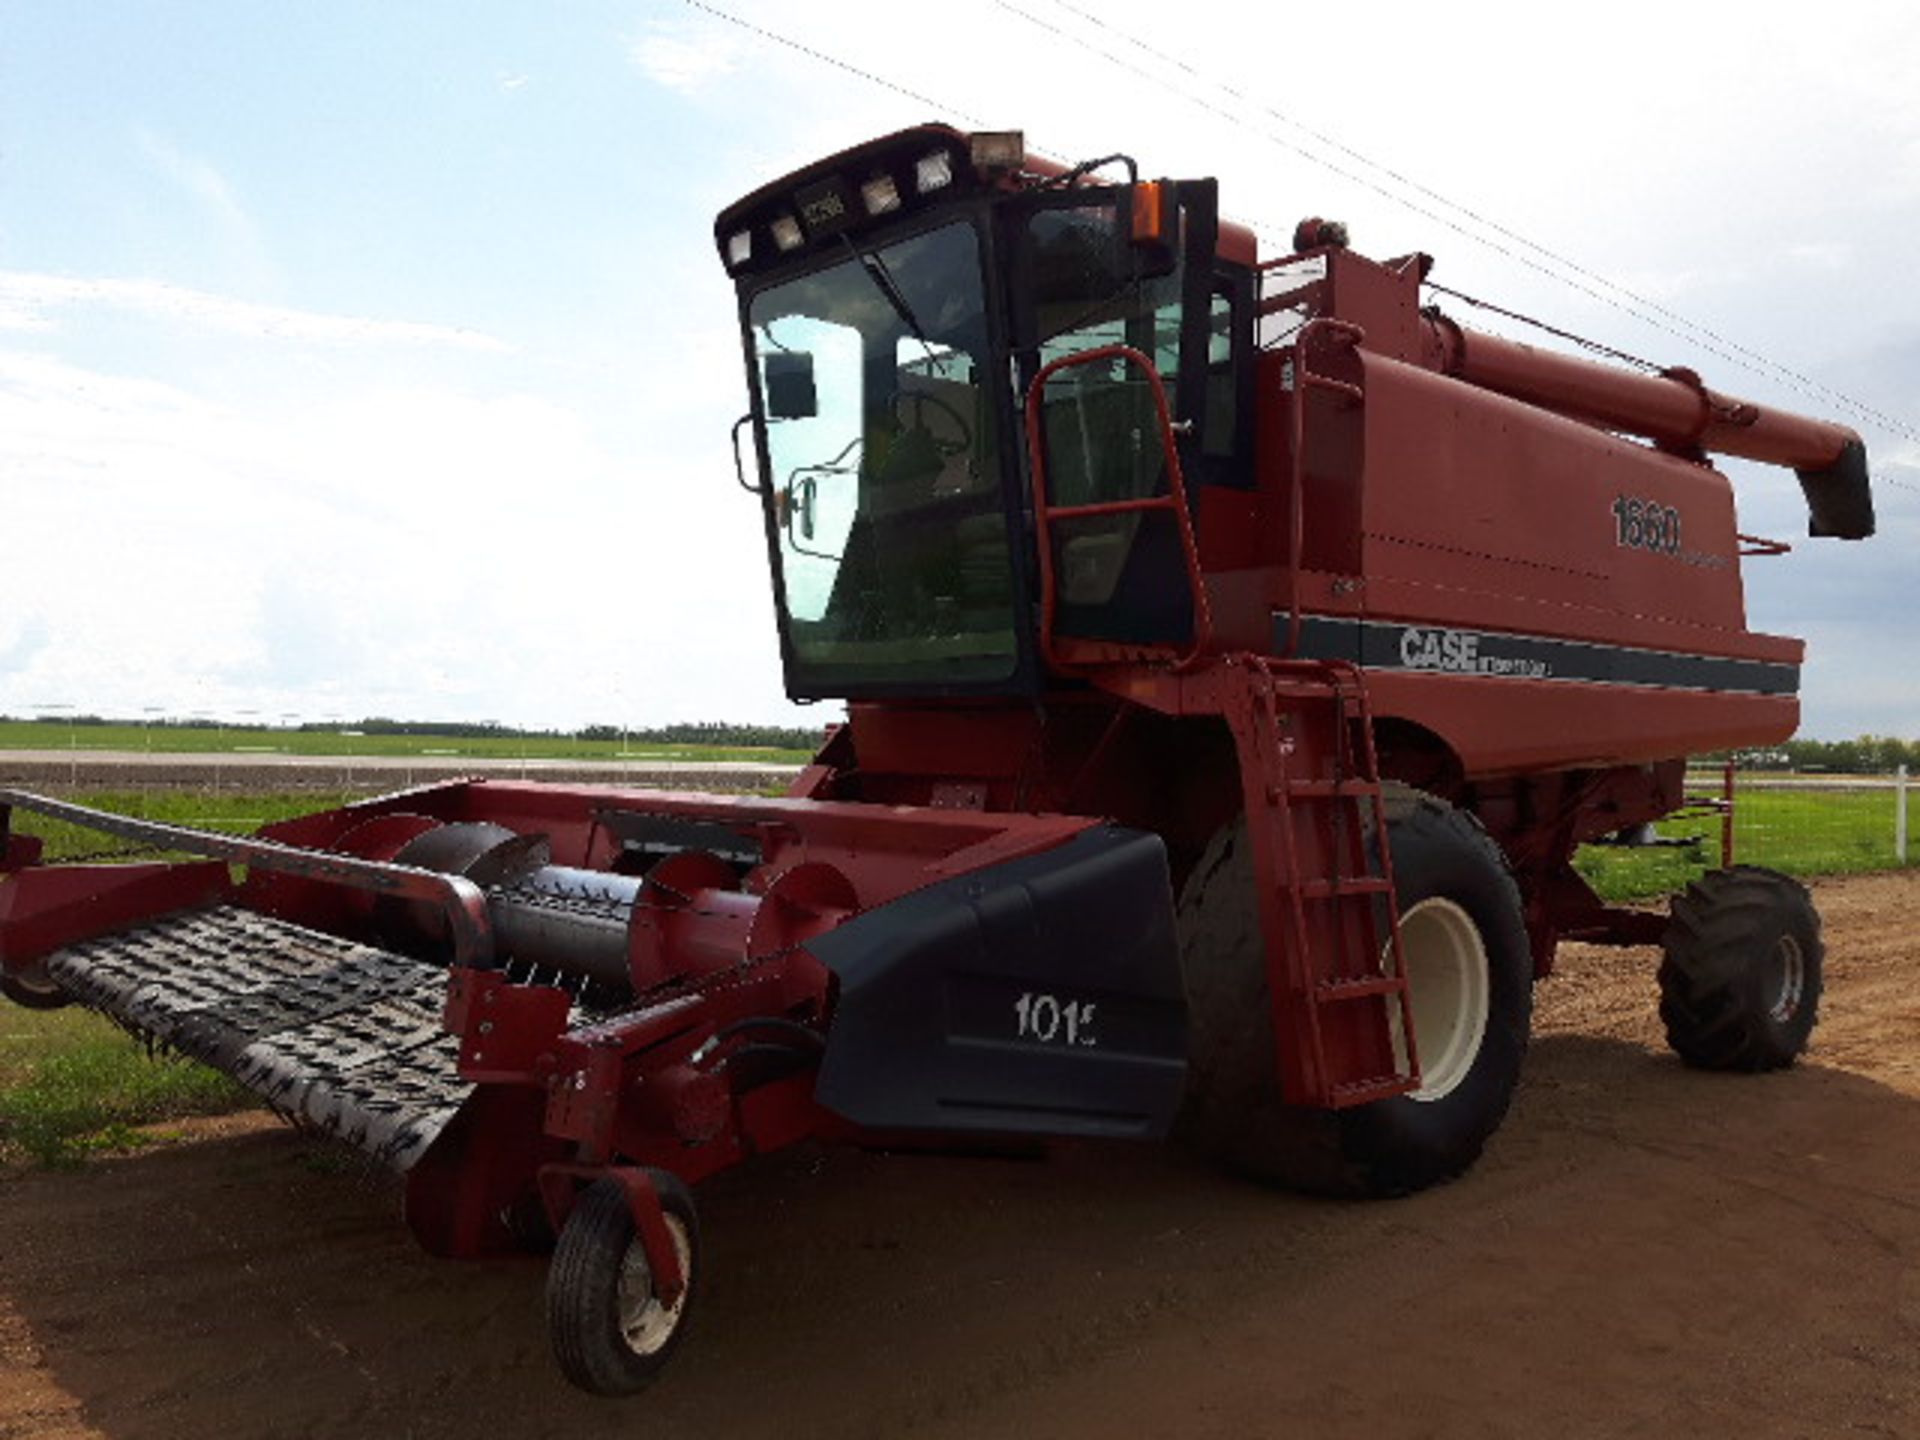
611, 1333
37, 991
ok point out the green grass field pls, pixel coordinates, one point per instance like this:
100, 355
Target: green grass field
1801, 831
229, 812
74, 1084
71, 1084
223, 740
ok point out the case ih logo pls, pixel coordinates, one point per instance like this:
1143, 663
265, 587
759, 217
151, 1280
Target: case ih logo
1440, 650
1458, 651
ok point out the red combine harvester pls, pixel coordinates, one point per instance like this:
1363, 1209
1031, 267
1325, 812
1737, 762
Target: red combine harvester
1236, 653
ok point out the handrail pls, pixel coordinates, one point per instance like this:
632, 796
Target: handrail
1303, 381
463, 902
1175, 499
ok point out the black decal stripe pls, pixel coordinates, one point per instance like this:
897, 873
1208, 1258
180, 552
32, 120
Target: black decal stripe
1384, 645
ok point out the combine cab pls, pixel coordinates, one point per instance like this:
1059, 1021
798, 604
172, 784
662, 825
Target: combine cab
1236, 654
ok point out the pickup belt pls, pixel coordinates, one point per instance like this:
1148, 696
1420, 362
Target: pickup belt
338, 1037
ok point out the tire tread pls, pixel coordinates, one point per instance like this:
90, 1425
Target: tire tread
582, 1285
1234, 1114
1717, 927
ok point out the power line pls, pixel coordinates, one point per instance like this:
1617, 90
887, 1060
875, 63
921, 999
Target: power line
1623, 356
1580, 278
1730, 353
1565, 261
1335, 167
833, 60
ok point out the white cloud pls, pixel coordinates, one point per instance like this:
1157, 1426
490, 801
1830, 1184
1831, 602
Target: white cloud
198, 176
289, 527
16, 314
238, 238
27, 300
428, 548
684, 57
1830, 255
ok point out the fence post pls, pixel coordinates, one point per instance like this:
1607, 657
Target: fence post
1726, 816
1900, 815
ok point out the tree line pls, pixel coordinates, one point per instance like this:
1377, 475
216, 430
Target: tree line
1863, 755
700, 732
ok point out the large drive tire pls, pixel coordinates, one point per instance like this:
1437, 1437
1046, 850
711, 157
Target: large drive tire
1461, 920
1740, 984
610, 1333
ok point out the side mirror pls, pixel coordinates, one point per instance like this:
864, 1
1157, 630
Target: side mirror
800, 497
790, 393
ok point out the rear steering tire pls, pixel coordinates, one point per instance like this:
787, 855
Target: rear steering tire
611, 1334
1470, 975
1740, 983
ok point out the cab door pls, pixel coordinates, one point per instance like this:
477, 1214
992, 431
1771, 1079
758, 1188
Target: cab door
1112, 335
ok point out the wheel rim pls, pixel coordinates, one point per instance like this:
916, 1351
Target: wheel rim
42, 984
1790, 979
1447, 987
646, 1324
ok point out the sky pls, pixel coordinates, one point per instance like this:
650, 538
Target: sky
365, 359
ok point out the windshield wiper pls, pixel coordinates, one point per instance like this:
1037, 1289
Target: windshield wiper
884, 282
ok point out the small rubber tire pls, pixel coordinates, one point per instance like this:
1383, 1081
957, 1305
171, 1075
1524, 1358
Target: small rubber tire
1233, 1111
1741, 977
592, 1312
34, 994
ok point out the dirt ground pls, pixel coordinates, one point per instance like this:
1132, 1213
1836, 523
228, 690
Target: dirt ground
1643, 1251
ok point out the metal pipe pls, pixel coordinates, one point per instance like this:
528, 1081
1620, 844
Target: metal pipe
1900, 815
1675, 410
1672, 408
459, 899
573, 920
1727, 799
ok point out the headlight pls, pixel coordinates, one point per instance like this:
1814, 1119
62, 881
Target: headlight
881, 195
786, 233
934, 171
739, 248
999, 150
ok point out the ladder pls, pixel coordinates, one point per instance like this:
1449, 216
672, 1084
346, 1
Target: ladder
1336, 974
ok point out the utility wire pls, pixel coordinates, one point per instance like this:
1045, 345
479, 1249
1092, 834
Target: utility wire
1566, 262
1725, 350
1579, 277
765, 34
1238, 119
1623, 356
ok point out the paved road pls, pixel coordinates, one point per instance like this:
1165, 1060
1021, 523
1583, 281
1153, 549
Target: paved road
120, 770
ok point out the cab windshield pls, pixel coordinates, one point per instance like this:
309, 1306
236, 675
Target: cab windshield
891, 532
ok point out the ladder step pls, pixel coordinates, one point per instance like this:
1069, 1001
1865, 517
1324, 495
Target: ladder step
1333, 992
1333, 789
1316, 823
1340, 889
1362, 1092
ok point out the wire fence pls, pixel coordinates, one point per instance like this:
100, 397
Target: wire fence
1803, 824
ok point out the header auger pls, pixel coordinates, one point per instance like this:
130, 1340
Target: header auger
1237, 653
